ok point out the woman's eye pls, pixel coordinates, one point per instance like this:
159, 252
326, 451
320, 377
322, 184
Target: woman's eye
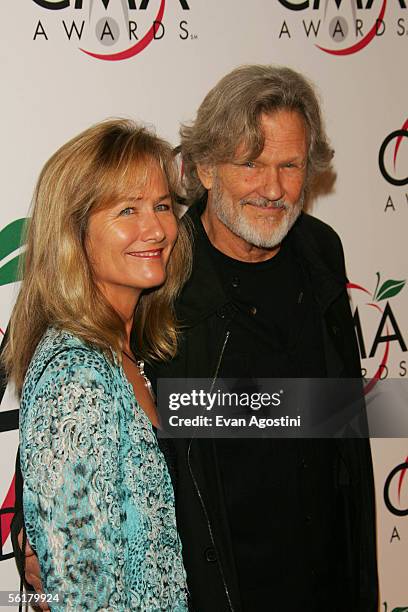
249, 164
162, 206
127, 211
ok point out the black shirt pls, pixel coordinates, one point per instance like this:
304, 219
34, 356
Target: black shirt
275, 333
276, 329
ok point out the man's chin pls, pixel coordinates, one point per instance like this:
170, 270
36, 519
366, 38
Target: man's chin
267, 232
262, 230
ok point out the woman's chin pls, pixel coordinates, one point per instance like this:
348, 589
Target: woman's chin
151, 281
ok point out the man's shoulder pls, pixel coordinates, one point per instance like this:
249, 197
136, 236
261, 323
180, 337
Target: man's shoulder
316, 228
319, 243
318, 234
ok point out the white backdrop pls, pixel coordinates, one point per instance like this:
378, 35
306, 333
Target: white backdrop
53, 86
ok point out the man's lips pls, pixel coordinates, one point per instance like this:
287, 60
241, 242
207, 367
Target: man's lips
268, 210
153, 254
266, 205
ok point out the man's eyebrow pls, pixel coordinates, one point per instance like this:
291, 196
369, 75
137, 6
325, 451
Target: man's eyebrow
299, 158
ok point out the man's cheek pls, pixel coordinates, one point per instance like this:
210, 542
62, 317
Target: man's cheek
240, 187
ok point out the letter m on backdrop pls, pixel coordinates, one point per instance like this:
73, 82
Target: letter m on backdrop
78, 4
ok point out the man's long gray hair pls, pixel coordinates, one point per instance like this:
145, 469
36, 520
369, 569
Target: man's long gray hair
230, 115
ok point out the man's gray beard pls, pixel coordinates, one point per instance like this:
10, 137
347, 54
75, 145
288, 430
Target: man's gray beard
270, 234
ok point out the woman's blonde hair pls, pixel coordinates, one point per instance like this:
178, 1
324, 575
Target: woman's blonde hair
89, 172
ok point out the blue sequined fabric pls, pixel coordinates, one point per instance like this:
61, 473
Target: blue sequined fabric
98, 500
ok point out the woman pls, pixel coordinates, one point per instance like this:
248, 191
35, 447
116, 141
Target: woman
98, 501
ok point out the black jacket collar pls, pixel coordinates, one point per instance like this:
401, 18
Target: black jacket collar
203, 294
327, 283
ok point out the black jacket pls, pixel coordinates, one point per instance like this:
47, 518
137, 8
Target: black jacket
205, 311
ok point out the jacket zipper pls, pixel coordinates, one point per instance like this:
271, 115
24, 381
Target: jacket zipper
217, 369
200, 497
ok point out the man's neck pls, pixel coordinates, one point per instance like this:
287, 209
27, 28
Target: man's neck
223, 239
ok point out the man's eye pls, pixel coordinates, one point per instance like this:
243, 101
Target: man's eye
297, 165
249, 164
127, 211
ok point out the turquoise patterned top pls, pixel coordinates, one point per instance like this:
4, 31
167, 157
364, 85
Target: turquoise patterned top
98, 499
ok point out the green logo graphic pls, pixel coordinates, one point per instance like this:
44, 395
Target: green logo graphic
387, 290
11, 240
403, 609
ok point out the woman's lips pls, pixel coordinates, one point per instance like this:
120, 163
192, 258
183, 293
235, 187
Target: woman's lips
154, 254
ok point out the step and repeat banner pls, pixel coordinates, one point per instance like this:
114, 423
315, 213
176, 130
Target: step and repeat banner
69, 63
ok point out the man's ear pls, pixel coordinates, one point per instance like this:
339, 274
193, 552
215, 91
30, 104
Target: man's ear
206, 175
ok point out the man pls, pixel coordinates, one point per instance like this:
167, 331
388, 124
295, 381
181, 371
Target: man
267, 524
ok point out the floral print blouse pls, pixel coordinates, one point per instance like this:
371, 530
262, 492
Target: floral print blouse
98, 499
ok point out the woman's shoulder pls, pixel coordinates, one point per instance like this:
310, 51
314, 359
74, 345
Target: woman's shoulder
62, 356
58, 341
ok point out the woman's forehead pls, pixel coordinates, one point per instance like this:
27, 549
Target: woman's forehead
132, 181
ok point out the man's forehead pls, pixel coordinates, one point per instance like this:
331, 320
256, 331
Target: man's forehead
283, 127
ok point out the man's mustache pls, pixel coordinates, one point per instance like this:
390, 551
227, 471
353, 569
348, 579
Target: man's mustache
264, 203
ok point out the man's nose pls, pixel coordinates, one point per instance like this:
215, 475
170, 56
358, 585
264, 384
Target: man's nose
271, 184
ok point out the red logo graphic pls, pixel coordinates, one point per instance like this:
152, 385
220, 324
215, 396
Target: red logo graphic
6, 515
361, 44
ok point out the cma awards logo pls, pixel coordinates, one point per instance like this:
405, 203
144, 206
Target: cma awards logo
393, 165
109, 30
342, 27
393, 142
396, 490
377, 329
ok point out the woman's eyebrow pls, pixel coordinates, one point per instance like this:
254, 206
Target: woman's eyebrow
135, 199
163, 197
